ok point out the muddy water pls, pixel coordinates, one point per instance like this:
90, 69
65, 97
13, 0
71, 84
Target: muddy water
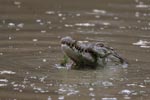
30, 31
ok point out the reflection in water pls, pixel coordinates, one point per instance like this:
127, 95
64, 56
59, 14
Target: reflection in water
30, 32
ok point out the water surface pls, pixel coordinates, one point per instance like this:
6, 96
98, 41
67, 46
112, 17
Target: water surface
30, 32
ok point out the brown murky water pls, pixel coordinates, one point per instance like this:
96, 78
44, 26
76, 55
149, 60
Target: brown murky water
30, 31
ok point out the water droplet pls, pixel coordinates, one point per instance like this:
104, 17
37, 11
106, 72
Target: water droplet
49, 47
9, 37
35, 40
44, 60
136, 60
1, 53
60, 15
91, 89
78, 15
40, 52
38, 20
